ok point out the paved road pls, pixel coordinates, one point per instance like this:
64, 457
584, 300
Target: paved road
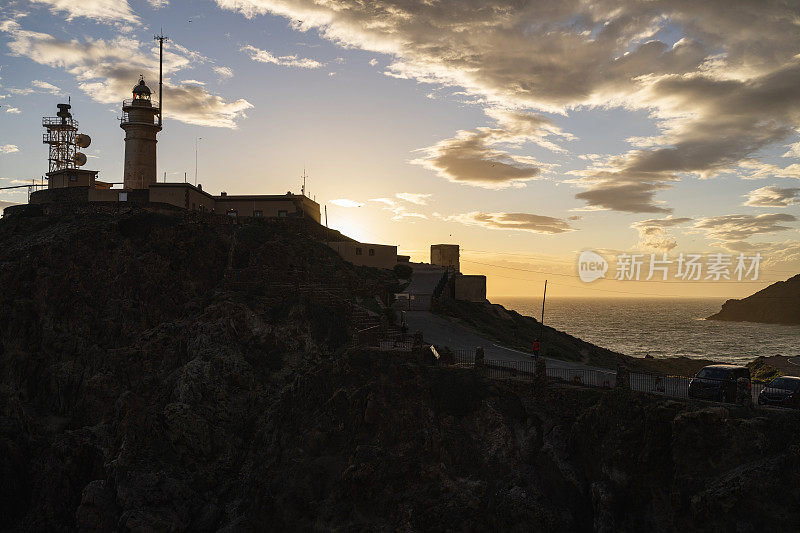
443, 332
423, 283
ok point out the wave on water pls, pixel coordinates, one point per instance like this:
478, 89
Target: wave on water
661, 327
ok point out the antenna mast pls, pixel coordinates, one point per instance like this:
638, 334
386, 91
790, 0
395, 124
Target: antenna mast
303, 190
160, 38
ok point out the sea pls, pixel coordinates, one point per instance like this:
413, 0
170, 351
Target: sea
661, 327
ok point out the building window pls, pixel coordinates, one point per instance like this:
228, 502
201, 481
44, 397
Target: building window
233, 213
123, 197
73, 177
258, 213
282, 214
372, 251
358, 251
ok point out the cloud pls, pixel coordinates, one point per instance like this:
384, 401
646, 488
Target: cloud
100, 10
623, 195
654, 233
719, 93
473, 157
774, 252
373, 62
37, 86
400, 211
224, 72
414, 197
740, 227
107, 70
772, 196
469, 158
263, 56
758, 170
46, 87
344, 202
8, 148
667, 222
13, 110
514, 221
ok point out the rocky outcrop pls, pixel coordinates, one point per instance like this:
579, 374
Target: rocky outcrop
777, 304
232, 410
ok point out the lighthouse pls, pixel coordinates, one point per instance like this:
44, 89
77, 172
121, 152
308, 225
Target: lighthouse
139, 122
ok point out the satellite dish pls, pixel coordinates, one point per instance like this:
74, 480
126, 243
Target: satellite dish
80, 159
83, 140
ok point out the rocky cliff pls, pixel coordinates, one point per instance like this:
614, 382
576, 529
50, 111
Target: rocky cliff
142, 390
777, 304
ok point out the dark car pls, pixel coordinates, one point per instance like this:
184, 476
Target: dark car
718, 382
783, 391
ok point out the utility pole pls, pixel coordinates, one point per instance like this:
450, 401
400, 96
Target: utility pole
195, 159
160, 38
541, 323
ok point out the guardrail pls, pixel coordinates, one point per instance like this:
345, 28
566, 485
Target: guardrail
650, 383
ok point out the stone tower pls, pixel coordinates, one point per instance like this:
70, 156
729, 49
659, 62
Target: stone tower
141, 128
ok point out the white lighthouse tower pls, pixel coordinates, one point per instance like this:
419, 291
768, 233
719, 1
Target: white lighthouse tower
139, 122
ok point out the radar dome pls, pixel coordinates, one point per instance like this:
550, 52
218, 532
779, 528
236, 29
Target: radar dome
80, 159
83, 140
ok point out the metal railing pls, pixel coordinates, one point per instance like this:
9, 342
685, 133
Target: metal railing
130, 103
58, 122
726, 391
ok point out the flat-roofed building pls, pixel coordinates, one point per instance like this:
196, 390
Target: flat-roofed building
183, 195
71, 177
446, 255
365, 254
268, 205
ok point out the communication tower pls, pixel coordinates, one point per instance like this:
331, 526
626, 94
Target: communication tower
64, 140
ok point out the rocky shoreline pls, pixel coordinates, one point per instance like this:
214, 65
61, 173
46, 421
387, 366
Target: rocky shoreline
777, 304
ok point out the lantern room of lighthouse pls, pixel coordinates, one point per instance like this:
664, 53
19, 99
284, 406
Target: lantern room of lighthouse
140, 125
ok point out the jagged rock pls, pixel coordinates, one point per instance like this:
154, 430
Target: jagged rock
138, 393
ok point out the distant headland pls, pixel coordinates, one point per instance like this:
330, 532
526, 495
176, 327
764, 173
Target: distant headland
777, 304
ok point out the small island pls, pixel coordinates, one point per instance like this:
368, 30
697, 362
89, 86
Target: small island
777, 304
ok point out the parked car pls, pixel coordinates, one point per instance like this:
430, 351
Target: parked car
783, 391
718, 382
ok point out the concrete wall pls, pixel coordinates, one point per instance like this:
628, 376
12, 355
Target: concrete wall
247, 206
364, 254
67, 195
182, 195
70, 177
138, 196
270, 206
445, 255
470, 288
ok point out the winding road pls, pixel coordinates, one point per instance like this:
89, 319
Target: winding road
440, 331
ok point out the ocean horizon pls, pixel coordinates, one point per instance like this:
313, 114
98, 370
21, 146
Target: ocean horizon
660, 327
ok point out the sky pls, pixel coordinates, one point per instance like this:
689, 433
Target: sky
526, 132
